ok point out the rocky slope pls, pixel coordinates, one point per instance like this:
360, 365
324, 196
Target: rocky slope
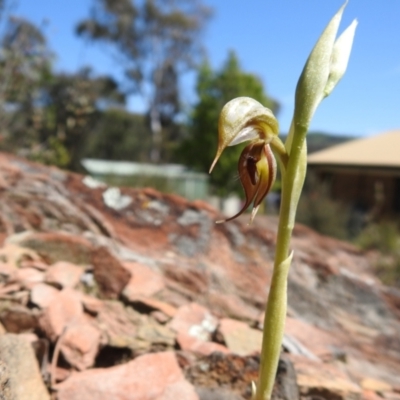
134, 294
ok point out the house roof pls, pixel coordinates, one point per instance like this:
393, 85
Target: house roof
377, 151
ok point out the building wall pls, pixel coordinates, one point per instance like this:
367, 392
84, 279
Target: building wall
362, 190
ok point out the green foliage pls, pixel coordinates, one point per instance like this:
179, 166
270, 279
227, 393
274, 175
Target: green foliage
388, 269
161, 183
25, 65
214, 89
46, 116
71, 110
317, 210
50, 119
384, 237
119, 135
52, 153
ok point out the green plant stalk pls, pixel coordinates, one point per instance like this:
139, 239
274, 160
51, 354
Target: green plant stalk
274, 323
275, 312
324, 68
244, 119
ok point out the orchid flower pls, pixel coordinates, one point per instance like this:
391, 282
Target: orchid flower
245, 119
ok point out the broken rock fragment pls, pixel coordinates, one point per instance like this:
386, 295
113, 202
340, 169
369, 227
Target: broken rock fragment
148, 377
143, 281
42, 295
65, 310
194, 325
109, 273
18, 319
18, 361
64, 274
80, 344
239, 337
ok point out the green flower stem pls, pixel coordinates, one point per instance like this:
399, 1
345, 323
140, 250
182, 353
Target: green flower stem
275, 313
274, 324
324, 68
279, 149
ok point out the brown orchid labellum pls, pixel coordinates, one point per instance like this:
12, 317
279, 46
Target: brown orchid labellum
244, 119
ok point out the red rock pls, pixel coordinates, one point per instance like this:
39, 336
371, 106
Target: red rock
370, 395
64, 274
225, 371
109, 273
352, 324
6, 269
158, 305
248, 279
43, 295
239, 337
62, 312
391, 395
188, 278
148, 377
55, 246
91, 304
14, 254
22, 297
227, 326
232, 306
60, 374
30, 337
37, 264
318, 341
28, 277
10, 288
195, 320
79, 344
24, 381
118, 324
331, 285
318, 377
194, 345
174, 298
18, 318
143, 281
194, 325
160, 317
375, 385
153, 333
185, 358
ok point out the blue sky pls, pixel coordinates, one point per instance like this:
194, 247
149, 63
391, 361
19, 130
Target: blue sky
272, 39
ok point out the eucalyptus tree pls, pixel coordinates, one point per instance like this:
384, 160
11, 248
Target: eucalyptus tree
25, 65
156, 41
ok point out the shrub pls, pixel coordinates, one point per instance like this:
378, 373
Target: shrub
318, 211
384, 237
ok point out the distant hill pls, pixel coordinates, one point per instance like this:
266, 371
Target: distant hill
320, 140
